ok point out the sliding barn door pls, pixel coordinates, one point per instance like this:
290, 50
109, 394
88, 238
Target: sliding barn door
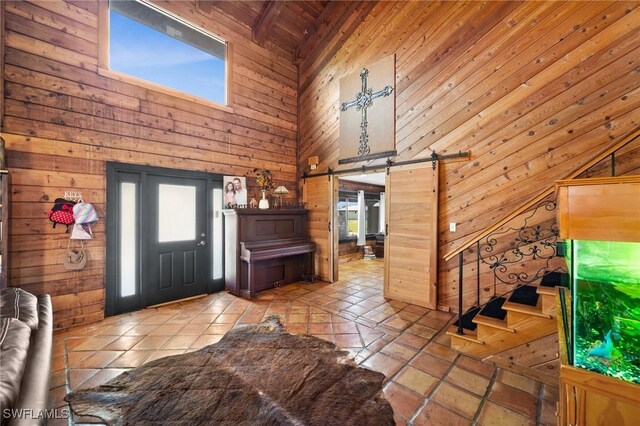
411, 244
319, 199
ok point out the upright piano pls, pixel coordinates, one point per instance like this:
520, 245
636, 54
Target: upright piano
266, 249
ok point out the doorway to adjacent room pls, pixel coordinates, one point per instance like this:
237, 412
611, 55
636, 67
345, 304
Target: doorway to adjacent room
360, 222
410, 228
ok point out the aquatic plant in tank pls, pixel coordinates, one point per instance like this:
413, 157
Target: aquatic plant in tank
605, 281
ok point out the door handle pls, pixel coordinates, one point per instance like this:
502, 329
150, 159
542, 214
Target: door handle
202, 243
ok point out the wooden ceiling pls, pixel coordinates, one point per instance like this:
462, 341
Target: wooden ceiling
285, 23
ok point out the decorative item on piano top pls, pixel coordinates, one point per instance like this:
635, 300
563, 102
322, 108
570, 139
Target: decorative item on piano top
281, 190
235, 191
264, 180
264, 203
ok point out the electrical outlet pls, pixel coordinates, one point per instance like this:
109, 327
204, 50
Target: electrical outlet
452, 226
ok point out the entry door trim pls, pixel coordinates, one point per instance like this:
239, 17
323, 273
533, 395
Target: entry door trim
113, 303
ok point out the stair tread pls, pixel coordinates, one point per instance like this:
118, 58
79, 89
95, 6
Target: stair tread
554, 279
467, 319
493, 309
470, 335
525, 309
500, 324
524, 295
547, 291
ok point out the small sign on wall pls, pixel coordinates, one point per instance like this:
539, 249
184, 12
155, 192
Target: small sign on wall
73, 195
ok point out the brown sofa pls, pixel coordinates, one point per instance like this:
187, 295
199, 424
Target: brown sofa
26, 327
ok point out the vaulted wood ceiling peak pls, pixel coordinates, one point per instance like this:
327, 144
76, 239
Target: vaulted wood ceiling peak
288, 24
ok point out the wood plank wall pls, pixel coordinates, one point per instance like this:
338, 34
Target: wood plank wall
531, 89
62, 121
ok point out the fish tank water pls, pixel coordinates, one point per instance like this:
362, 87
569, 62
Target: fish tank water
605, 287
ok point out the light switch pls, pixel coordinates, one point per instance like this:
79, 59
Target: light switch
452, 226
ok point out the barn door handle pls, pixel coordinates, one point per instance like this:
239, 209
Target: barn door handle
386, 229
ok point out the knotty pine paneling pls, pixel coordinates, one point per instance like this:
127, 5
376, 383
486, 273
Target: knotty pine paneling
532, 89
63, 121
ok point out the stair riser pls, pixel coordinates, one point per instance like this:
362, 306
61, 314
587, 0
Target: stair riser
514, 317
486, 332
527, 329
461, 344
516, 310
549, 304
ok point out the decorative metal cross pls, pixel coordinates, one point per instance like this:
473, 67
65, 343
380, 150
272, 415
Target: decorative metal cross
364, 100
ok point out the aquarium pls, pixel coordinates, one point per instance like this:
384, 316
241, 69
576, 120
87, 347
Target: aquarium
605, 286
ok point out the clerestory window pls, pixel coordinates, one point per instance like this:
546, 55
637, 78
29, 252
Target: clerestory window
154, 45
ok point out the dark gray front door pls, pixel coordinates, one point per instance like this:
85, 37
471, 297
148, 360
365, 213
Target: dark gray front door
176, 239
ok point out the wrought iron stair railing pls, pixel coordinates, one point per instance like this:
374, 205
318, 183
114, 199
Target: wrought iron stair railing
533, 247
514, 257
532, 242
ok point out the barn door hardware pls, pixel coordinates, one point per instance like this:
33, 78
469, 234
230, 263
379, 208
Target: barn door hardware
435, 157
389, 163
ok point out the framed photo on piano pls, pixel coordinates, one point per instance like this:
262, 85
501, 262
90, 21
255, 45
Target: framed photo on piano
235, 191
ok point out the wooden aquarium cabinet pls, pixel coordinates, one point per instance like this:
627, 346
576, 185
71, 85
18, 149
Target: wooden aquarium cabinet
601, 209
593, 211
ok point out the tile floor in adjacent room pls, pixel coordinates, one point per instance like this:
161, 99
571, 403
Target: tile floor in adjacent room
426, 381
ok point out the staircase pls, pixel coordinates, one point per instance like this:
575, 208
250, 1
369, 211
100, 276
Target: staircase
526, 314
517, 330
514, 326
518, 267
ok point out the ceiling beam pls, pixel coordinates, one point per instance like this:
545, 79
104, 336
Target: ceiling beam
270, 11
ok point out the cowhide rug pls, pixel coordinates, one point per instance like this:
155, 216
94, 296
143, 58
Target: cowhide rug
257, 375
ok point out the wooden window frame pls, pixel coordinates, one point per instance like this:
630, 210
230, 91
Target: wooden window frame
105, 71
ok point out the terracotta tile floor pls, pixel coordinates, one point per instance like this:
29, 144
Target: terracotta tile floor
426, 381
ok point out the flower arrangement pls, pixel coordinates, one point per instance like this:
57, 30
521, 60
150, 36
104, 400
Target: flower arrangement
264, 179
